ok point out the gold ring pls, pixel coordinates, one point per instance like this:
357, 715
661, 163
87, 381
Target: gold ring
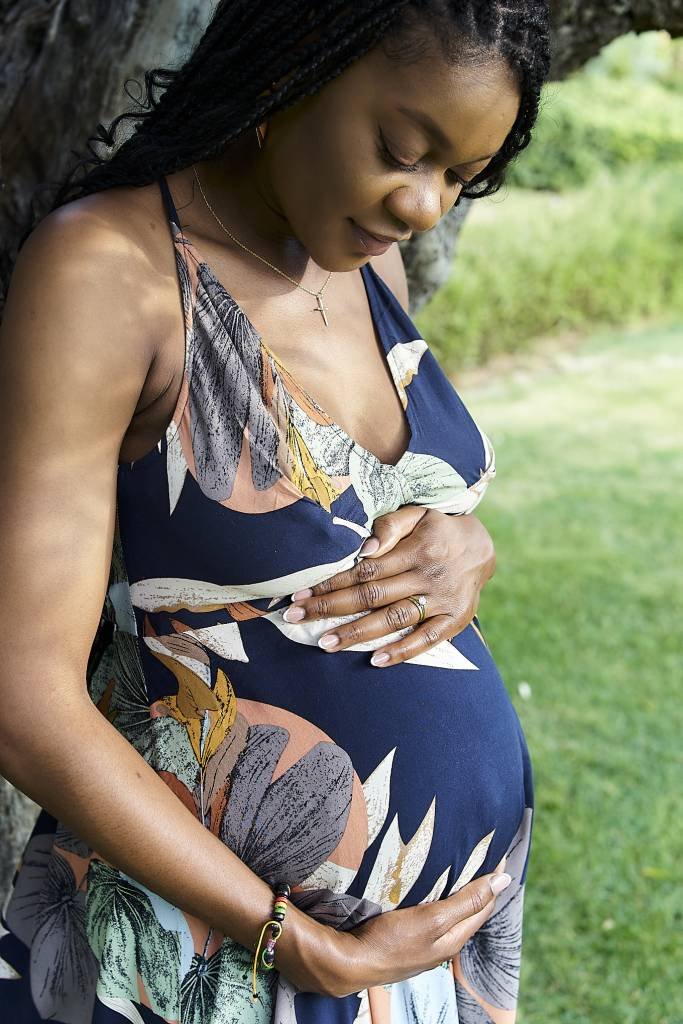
420, 602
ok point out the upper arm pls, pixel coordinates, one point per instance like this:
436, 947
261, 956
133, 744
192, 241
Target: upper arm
390, 267
72, 363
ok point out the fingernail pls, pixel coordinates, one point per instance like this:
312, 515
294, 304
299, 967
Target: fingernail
301, 594
329, 641
379, 659
370, 545
499, 883
294, 614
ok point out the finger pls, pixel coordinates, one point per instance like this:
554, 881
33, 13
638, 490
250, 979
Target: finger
366, 570
470, 908
361, 598
373, 626
393, 526
434, 630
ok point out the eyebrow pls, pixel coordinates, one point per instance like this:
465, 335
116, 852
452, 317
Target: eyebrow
431, 127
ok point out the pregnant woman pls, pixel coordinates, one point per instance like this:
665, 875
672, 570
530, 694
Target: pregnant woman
225, 442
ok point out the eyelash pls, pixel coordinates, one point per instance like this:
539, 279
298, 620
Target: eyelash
393, 161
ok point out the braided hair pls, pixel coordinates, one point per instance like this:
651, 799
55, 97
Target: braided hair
255, 59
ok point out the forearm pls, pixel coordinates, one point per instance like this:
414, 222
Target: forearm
73, 762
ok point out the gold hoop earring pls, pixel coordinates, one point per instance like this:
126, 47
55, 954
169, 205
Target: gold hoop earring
261, 135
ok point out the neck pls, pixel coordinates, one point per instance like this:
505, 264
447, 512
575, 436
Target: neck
238, 186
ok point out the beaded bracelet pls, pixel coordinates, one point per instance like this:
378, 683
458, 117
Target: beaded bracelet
275, 924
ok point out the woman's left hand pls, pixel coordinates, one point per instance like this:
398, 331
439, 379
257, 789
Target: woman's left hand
446, 558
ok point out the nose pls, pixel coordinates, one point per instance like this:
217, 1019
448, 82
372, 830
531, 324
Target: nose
420, 205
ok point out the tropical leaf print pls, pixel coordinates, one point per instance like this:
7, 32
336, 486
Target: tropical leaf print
398, 864
128, 706
212, 790
285, 829
126, 937
170, 918
428, 998
469, 1010
437, 889
487, 967
226, 371
474, 862
377, 790
218, 989
122, 1007
224, 638
307, 475
404, 359
21, 909
65, 840
176, 465
207, 714
7, 972
490, 961
181, 648
331, 877
171, 594
329, 446
60, 954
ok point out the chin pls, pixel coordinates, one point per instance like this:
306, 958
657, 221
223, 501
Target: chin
340, 263
335, 253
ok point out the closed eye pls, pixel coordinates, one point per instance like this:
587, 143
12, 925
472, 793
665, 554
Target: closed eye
393, 161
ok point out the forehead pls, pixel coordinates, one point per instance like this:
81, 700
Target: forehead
474, 104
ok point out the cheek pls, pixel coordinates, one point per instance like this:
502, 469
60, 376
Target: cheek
326, 186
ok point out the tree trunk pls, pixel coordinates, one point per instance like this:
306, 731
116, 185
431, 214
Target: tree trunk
49, 107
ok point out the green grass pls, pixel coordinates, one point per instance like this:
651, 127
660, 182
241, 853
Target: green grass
586, 607
532, 263
590, 122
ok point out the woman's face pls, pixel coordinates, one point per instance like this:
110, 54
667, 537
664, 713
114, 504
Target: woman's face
329, 162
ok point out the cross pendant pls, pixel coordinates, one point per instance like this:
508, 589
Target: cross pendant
321, 309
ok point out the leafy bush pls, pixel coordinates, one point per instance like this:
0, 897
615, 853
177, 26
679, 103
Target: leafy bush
532, 263
651, 56
588, 123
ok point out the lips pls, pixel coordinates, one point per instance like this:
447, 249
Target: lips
370, 243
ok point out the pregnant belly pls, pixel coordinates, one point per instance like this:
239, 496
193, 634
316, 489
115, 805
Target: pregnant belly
381, 785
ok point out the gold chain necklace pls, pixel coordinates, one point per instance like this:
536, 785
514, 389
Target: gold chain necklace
322, 309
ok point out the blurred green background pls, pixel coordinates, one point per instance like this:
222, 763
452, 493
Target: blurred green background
562, 327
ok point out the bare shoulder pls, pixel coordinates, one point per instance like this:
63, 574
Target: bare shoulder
81, 325
94, 286
96, 253
391, 269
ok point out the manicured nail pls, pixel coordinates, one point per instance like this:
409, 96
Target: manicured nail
499, 883
379, 659
370, 545
294, 614
301, 594
329, 641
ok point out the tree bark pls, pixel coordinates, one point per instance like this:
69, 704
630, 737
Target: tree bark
49, 107
583, 27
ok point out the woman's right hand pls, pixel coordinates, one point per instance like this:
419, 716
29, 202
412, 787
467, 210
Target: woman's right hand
396, 945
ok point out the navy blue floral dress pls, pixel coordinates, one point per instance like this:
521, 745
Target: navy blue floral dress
365, 789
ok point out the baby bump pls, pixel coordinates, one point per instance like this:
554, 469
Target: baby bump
336, 777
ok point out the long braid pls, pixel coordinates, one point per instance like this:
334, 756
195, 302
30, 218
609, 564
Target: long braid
225, 87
